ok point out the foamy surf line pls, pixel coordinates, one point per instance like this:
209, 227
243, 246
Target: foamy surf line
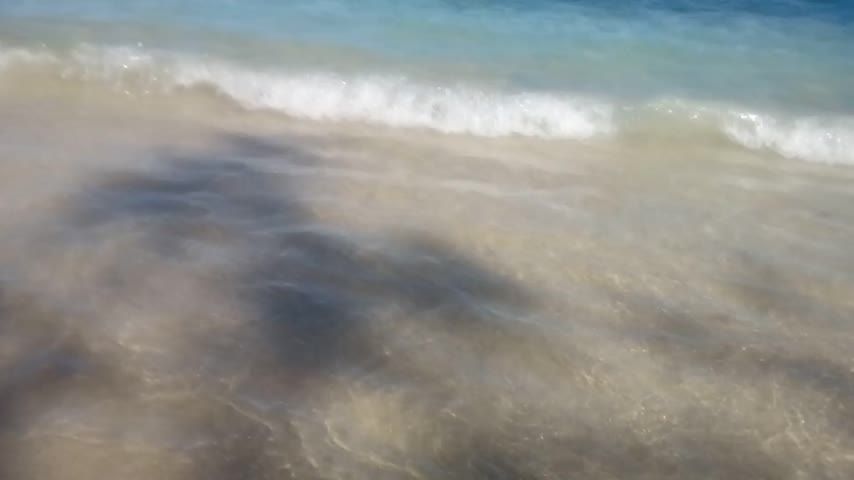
396, 101
382, 100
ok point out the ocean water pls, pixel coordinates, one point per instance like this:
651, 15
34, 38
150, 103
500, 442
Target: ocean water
765, 75
432, 239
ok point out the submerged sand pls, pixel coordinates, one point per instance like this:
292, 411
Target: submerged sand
199, 293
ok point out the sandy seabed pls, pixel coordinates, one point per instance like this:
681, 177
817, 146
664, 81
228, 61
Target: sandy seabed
193, 292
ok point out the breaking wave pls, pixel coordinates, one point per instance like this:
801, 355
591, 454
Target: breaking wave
397, 101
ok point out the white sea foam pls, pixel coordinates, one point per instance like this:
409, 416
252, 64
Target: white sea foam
385, 100
818, 139
10, 57
402, 103
396, 101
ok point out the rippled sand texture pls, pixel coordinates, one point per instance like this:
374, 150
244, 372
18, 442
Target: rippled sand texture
204, 299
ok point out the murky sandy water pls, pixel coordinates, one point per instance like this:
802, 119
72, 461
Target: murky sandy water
217, 295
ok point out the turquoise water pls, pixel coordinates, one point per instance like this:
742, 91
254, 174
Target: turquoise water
781, 54
770, 75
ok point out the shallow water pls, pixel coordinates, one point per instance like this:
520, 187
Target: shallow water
335, 284
212, 295
770, 76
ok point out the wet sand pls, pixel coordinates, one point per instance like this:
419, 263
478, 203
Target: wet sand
213, 294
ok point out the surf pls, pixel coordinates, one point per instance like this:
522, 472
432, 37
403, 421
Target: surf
457, 108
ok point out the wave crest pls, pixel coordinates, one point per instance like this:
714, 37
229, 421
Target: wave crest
399, 102
825, 140
383, 100
396, 101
